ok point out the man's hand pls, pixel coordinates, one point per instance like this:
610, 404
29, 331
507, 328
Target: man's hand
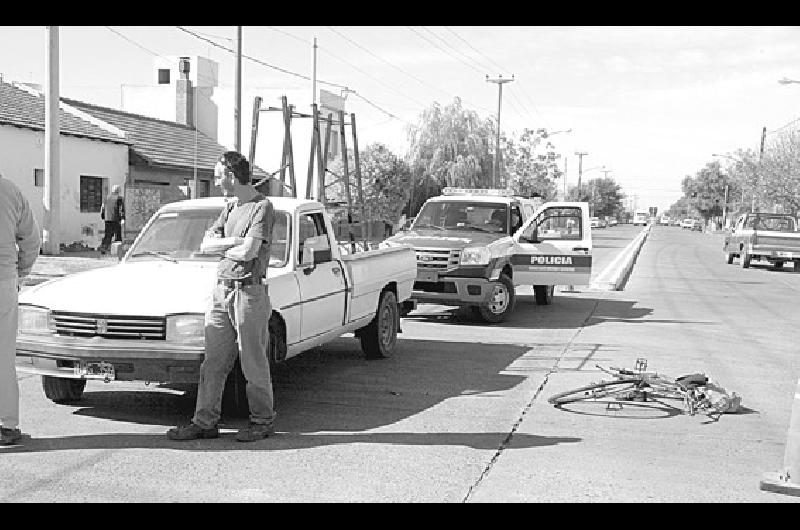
214, 244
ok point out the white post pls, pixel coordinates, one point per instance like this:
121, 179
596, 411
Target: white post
52, 158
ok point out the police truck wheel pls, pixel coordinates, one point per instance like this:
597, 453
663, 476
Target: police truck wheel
61, 390
544, 294
379, 337
501, 303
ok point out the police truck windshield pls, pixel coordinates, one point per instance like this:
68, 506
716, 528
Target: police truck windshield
463, 215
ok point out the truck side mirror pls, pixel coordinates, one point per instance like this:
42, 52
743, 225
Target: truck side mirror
308, 262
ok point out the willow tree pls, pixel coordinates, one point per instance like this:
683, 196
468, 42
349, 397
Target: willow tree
531, 166
450, 146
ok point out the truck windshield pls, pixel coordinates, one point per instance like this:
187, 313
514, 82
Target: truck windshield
178, 234
463, 215
774, 223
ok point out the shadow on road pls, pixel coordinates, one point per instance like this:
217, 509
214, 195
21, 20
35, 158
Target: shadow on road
565, 312
283, 440
334, 389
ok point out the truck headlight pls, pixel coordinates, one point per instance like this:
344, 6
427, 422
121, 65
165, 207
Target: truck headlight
34, 319
186, 328
475, 256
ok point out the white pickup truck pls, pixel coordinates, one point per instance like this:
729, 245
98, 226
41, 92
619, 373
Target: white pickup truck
142, 320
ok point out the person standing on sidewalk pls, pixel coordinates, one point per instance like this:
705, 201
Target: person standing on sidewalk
237, 318
20, 241
113, 213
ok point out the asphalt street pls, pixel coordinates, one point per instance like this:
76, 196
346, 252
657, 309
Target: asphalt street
460, 412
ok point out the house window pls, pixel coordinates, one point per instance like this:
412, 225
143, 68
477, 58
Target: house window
92, 193
163, 76
38, 178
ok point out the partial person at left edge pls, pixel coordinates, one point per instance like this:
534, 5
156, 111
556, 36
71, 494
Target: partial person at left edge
20, 242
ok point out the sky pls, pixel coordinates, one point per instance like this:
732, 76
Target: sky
649, 105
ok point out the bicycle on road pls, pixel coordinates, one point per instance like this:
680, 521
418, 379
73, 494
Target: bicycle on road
638, 385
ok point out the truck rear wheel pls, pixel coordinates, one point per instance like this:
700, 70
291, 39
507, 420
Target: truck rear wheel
744, 259
62, 390
544, 294
502, 301
729, 258
379, 337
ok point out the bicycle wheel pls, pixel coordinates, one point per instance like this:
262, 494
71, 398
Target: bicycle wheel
597, 391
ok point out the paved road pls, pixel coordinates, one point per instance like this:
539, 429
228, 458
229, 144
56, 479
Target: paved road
459, 414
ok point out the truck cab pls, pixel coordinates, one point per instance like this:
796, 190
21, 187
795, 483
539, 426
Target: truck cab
465, 250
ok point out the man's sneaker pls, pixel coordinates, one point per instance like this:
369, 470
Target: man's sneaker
255, 431
192, 432
9, 436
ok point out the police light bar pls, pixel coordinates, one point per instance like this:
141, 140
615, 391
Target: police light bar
492, 192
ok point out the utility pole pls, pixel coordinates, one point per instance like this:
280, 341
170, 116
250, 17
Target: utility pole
565, 177
314, 76
52, 155
580, 154
237, 116
758, 170
725, 208
499, 81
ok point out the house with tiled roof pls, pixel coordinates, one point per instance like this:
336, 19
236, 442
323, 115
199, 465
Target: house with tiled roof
156, 161
93, 155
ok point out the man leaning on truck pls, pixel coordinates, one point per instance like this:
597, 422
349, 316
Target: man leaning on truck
236, 321
19, 246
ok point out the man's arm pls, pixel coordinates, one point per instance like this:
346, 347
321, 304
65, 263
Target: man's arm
29, 239
213, 241
247, 248
121, 203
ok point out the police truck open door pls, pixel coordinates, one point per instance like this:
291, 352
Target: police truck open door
554, 247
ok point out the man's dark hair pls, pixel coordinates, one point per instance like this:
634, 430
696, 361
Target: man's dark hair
237, 164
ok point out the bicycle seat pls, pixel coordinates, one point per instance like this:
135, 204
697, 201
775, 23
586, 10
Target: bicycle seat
692, 380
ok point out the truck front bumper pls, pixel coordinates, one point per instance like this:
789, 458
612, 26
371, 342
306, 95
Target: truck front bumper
450, 290
69, 357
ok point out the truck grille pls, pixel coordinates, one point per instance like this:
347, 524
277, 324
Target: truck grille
109, 326
436, 259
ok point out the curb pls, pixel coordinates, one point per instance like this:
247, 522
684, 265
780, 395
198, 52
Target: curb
614, 275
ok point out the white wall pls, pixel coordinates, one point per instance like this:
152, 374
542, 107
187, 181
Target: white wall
22, 151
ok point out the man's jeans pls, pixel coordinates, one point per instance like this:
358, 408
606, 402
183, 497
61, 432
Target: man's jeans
113, 230
236, 324
9, 389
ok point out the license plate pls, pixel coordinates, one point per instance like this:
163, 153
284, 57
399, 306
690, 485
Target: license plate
427, 276
97, 370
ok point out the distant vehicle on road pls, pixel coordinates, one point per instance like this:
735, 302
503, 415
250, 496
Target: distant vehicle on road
664, 220
687, 223
594, 222
613, 222
641, 217
766, 236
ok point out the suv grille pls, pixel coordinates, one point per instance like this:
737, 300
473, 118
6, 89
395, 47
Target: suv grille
438, 259
109, 326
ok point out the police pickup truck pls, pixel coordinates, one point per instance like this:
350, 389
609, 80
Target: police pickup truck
142, 320
467, 257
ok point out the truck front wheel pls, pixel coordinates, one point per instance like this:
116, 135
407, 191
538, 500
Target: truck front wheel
379, 337
501, 302
61, 390
744, 258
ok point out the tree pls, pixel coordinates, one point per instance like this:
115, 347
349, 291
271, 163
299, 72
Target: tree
780, 173
449, 147
386, 181
706, 190
531, 167
604, 196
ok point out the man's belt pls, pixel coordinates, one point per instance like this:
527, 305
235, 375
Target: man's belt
233, 284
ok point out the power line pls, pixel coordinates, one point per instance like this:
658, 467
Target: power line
479, 70
290, 72
109, 28
474, 49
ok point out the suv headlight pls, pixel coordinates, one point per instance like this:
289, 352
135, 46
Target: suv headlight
34, 319
186, 328
475, 256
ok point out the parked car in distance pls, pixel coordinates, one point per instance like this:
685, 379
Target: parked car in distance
687, 223
594, 222
766, 236
613, 222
